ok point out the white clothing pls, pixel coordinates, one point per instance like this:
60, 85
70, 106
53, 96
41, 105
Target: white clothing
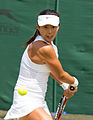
34, 77
48, 19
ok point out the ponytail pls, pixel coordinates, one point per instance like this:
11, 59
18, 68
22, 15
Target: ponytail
33, 37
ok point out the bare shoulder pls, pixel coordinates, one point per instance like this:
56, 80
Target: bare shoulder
42, 50
47, 51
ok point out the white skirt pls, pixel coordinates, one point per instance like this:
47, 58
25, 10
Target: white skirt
23, 105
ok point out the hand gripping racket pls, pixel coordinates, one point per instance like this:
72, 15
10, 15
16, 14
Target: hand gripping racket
61, 105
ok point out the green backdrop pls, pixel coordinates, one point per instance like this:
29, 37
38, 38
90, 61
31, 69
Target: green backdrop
74, 41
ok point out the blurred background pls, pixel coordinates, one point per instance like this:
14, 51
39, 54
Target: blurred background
74, 40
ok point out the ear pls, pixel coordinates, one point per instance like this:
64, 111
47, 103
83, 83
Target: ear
57, 27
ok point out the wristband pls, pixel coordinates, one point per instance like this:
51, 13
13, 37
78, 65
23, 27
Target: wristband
75, 83
64, 86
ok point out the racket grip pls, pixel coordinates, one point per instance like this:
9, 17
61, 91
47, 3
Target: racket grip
72, 88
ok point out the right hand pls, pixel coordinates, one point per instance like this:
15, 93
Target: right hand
68, 93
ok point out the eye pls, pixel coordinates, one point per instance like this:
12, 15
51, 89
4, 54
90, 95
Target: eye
54, 27
45, 27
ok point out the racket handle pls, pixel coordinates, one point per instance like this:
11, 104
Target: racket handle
72, 88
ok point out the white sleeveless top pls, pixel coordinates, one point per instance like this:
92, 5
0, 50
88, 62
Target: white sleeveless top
34, 77
36, 74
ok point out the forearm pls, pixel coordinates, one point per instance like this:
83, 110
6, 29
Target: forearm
63, 85
65, 81
65, 78
60, 82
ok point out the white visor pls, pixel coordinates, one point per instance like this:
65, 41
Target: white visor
48, 19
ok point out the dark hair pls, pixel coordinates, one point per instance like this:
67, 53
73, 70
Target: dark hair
44, 12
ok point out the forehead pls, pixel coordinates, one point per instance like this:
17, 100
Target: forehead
48, 25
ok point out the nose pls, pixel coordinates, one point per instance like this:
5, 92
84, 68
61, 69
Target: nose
49, 30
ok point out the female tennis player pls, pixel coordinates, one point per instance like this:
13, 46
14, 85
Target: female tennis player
39, 60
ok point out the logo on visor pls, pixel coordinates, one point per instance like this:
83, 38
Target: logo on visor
47, 17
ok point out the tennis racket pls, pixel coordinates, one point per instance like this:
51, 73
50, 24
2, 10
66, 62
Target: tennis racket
61, 105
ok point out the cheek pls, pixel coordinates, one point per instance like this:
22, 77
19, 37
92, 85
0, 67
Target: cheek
43, 32
55, 31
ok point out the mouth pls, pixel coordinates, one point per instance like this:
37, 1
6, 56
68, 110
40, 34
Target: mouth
50, 37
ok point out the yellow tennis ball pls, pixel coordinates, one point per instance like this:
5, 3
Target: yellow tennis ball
22, 90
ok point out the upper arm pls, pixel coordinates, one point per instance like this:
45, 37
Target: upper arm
48, 55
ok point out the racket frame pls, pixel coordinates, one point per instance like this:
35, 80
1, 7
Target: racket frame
61, 105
